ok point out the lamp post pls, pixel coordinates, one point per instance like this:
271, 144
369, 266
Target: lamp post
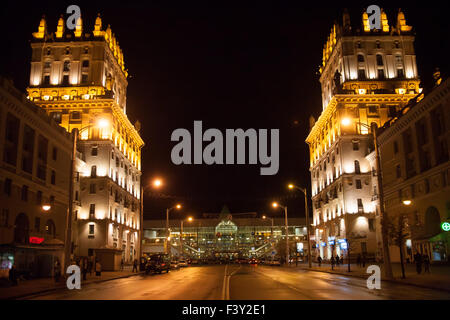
292, 186
189, 219
276, 205
178, 206
383, 214
101, 123
271, 231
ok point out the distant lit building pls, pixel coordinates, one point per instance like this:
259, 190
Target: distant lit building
366, 77
414, 151
226, 236
35, 154
79, 79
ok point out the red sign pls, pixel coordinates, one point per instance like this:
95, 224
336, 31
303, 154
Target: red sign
36, 240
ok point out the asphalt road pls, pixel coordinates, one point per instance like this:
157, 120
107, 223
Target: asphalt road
234, 282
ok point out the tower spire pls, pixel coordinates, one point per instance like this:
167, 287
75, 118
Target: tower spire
60, 27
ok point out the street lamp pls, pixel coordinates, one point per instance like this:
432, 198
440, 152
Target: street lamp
292, 186
157, 183
384, 217
189, 219
46, 207
177, 206
276, 205
100, 123
264, 217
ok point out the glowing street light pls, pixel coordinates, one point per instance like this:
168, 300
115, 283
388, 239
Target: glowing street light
276, 205
189, 219
103, 123
346, 122
407, 202
46, 207
157, 183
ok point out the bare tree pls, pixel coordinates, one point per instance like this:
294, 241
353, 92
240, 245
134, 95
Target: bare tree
398, 233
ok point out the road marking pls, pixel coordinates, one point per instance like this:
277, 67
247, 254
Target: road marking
226, 283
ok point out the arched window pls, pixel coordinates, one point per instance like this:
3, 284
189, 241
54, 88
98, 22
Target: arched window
21, 229
50, 228
357, 167
94, 171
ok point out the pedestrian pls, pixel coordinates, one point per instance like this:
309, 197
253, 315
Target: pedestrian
13, 275
332, 262
364, 260
418, 261
57, 270
319, 260
337, 260
426, 263
358, 260
98, 269
121, 264
84, 267
90, 265
135, 265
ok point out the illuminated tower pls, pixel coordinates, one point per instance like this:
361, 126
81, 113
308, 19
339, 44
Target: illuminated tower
80, 79
367, 76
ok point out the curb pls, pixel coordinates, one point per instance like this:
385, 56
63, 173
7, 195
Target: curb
37, 293
386, 280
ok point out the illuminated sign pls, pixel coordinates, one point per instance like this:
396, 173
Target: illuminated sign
36, 240
342, 241
331, 243
324, 244
446, 226
343, 245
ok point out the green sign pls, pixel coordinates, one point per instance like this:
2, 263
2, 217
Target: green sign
445, 226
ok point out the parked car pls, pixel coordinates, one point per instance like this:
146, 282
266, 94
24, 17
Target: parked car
174, 265
157, 263
182, 263
275, 262
194, 261
253, 261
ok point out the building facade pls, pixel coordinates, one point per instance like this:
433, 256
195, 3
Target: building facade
79, 79
227, 236
416, 175
35, 156
366, 77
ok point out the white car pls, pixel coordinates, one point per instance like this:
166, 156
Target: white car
182, 263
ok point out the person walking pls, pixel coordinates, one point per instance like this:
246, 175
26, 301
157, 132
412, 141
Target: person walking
13, 275
57, 270
426, 263
332, 262
135, 265
98, 269
90, 265
358, 260
84, 268
319, 260
418, 261
121, 264
363, 260
337, 260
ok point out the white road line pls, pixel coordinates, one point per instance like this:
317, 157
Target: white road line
224, 283
227, 291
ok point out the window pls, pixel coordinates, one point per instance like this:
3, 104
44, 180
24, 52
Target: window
355, 145
49, 51
92, 211
360, 206
56, 116
373, 110
395, 147
67, 50
362, 74
380, 74
4, 218
24, 194
400, 73
398, 59
47, 64
357, 167
85, 64
46, 79
76, 196
37, 224
54, 153
53, 177
397, 44
372, 225
86, 50
378, 44
76, 215
39, 198
92, 189
112, 155
91, 229
358, 184
66, 66
84, 78
360, 58
392, 111
50, 228
93, 171
94, 151
65, 80
76, 115
379, 60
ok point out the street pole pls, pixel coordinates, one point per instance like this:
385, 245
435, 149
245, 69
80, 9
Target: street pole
181, 239
287, 236
384, 231
167, 232
307, 227
68, 242
141, 224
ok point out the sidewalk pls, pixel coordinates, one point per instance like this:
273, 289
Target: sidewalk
37, 286
438, 279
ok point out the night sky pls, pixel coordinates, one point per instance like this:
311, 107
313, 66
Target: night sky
246, 64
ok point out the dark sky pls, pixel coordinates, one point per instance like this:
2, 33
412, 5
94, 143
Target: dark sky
242, 64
